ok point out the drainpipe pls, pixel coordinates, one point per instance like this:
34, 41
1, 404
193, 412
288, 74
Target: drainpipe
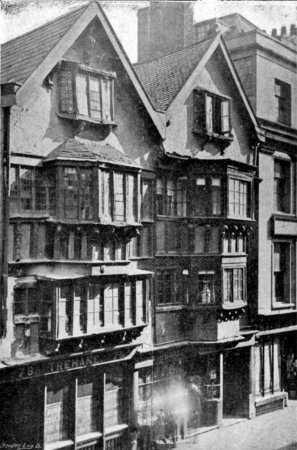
8, 99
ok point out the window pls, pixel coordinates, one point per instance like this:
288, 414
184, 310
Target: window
282, 92
212, 114
118, 197
282, 272
206, 239
114, 413
282, 186
169, 286
145, 388
268, 367
147, 199
206, 287
172, 197
146, 240
25, 301
78, 189
234, 285
30, 190
239, 198
87, 94
207, 196
87, 408
57, 413
95, 308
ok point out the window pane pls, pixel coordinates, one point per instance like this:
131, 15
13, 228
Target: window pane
81, 94
282, 274
112, 305
106, 99
95, 308
14, 189
181, 198
146, 240
206, 288
86, 191
238, 198
40, 190
19, 301
113, 398
57, 415
65, 312
225, 119
216, 196
171, 198
106, 204
94, 97
160, 236
129, 306
131, 198
147, 199
160, 197
228, 285
200, 197
199, 239
71, 193
119, 196
209, 114
87, 410
26, 189
140, 302
66, 91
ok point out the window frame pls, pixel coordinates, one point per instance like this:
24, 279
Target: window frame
283, 102
176, 280
68, 92
178, 209
234, 291
208, 195
208, 120
291, 248
286, 194
80, 190
247, 195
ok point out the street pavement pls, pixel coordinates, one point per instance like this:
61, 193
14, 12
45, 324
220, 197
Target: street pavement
273, 431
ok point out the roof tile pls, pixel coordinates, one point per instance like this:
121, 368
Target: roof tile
163, 78
22, 55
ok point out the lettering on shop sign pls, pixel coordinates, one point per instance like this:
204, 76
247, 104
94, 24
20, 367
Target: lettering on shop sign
62, 365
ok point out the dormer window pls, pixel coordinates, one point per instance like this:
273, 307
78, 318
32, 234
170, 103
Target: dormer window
86, 93
212, 114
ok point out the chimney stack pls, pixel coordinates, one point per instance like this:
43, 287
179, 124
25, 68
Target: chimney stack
283, 31
274, 32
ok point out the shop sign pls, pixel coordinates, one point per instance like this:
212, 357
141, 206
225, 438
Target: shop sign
63, 365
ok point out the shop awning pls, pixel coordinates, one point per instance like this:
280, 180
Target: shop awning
58, 276
277, 331
25, 283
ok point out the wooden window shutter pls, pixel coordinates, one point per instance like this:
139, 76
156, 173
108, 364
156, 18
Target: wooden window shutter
198, 111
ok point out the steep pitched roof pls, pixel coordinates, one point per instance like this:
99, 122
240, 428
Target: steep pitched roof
163, 78
79, 149
28, 59
22, 55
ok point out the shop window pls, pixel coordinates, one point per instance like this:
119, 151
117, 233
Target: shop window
268, 367
282, 93
207, 196
114, 399
172, 197
118, 197
234, 285
30, 189
147, 199
57, 414
87, 94
87, 409
78, 188
206, 287
212, 114
239, 198
282, 272
282, 186
169, 286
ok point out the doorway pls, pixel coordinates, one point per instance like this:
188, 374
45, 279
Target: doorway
236, 383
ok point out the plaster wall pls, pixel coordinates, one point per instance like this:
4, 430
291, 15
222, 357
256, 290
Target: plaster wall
36, 128
216, 78
267, 71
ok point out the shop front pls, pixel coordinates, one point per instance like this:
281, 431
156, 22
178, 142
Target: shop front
78, 403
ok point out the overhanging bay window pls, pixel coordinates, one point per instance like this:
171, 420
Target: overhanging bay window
76, 309
86, 93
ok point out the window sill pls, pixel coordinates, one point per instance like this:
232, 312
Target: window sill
88, 437
57, 445
169, 307
115, 429
234, 305
282, 305
30, 318
79, 117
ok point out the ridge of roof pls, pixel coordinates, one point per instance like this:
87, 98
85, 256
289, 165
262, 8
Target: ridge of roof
163, 77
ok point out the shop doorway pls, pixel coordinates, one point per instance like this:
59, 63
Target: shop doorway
236, 384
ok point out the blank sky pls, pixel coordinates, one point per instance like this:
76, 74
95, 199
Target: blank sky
21, 16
